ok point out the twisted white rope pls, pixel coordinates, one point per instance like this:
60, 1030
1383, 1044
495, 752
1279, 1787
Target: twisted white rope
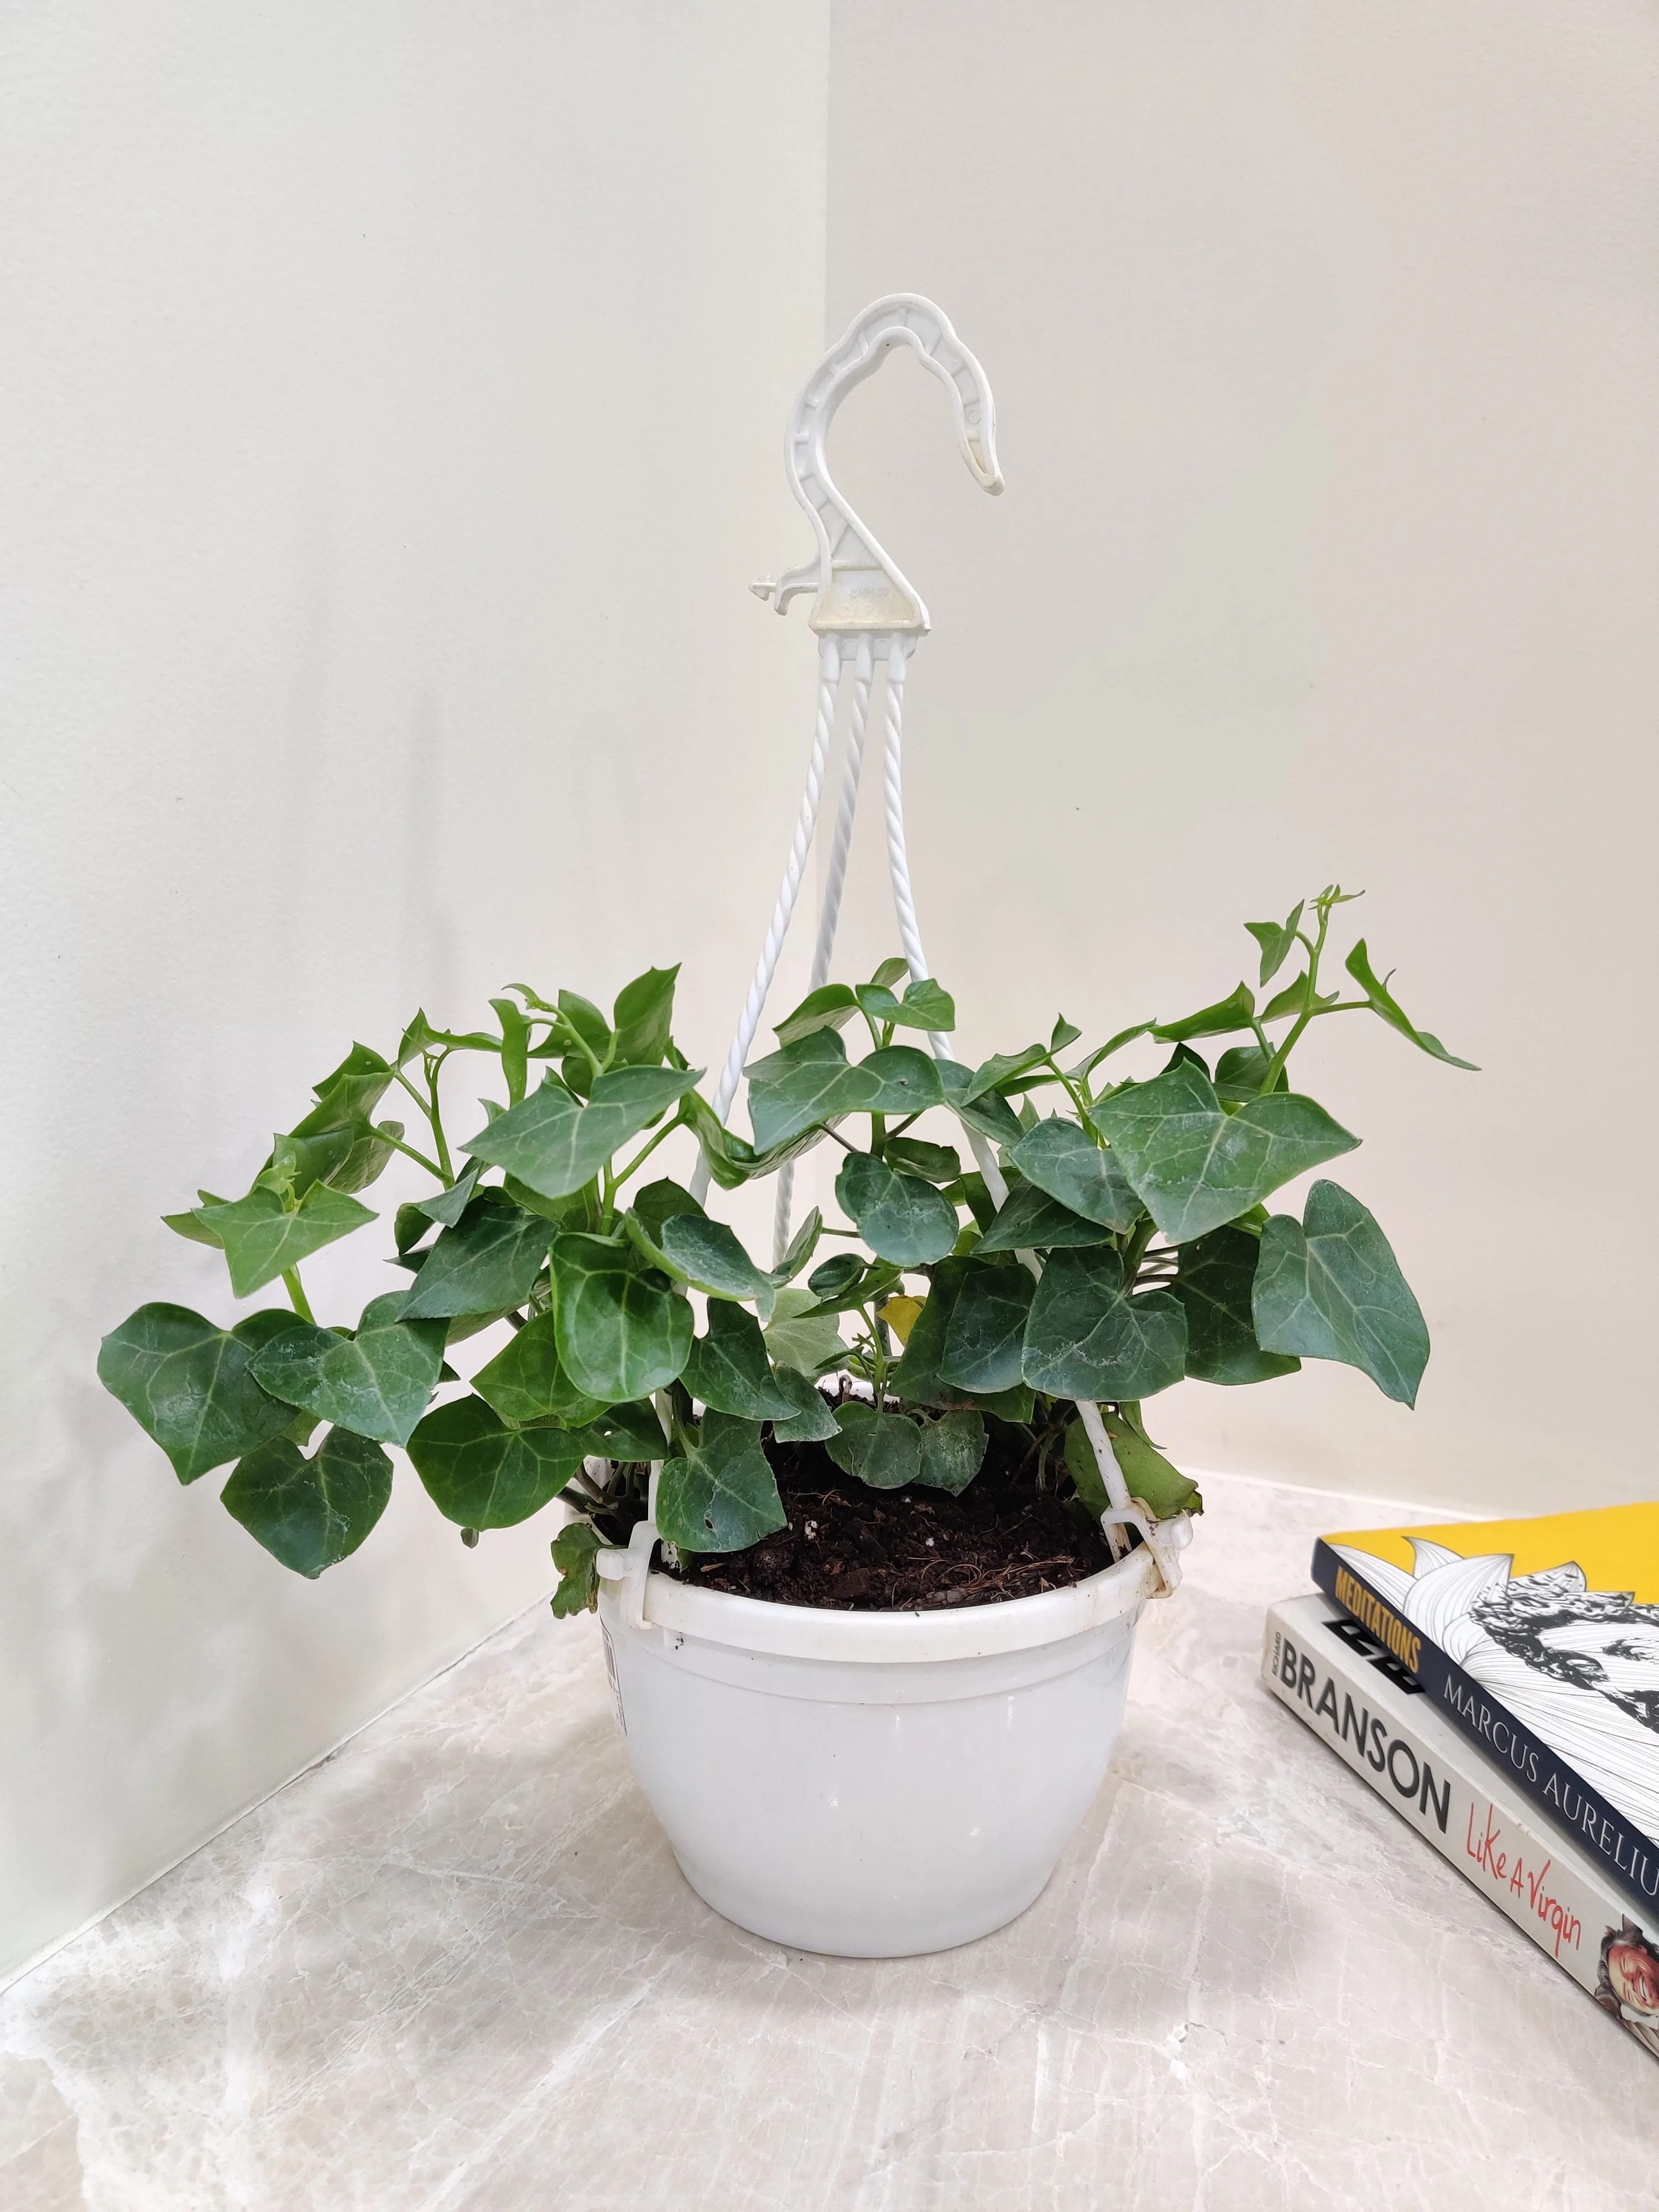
766, 967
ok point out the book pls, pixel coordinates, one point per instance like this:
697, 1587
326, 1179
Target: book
1539, 1640
1345, 1684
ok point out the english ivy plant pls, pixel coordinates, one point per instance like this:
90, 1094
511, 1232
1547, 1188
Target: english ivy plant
1133, 1249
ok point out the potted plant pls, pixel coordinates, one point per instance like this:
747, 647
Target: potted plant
848, 1521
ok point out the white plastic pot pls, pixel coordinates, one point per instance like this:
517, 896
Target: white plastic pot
870, 1784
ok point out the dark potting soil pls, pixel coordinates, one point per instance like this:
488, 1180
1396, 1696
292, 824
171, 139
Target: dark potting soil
852, 1549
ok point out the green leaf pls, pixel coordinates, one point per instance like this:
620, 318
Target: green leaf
1062, 1033
953, 1451
924, 1006
1003, 1069
937, 1163
557, 1146
190, 1386
1232, 1012
1063, 1160
1196, 1167
826, 1008
804, 1084
900, 1080
916, 1378
707, 1254
515, 1047
660, 1201
892, 971
1147, 1476
348, 1094
1240, 1074
1085, 1470
1214, 1285
720, 1495
985, 1332
262, 1238
1293, 998
1358, 965
802, 1337
488, 1262
622, 1330
901, 1217
375, 1383
644, 1017
1087, 1065
1086, 1338
446, 1207
801, 1247
587, 1022
310, 1514
881, 1450
525, 1382
481, 1474
1275, 940
989, 1114
727, 1368
845, 1282
186, 1224
1331, 1289
574, 1549
630, 1433
813, 1419
1031, 1221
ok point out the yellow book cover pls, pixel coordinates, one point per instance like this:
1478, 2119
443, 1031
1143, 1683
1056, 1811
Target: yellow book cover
1539, 1638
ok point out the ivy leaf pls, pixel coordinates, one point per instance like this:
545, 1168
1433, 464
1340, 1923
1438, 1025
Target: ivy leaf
802, 1245
802, 1336
812, 1419
985, 1334
937, 1163
1240, 1074
707, 1254
1276, 940
1196, 1167
899, 1080
190, 1386
916, 1378
1375, 989
585, 1020
1232, 1012
1147, 1476
574, 1549
186, 1224
953, 1451
481, 1474
1003, 1069
310, 1514
881, 1450
514, 1048
1031, 1221
556, 1146
720, 1495
524, 1383
659, 1202
643, 1017
262, 1238
1293, 998
901, 1217
925, 1006
1063, 1160
1331, 1289
828, 1007
622, 1329
487, 1263
1214, 1284
1087, 1338
988, 1113
802, 1085
631, 1433
374, 1382
727, 1368
446, 1207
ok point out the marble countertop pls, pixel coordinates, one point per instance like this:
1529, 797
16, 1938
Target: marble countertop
454, 1969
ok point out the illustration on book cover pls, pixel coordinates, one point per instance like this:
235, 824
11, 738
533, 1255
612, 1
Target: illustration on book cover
1627, 1985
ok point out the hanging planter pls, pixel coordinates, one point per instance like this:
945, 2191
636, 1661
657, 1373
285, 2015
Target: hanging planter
868, 1533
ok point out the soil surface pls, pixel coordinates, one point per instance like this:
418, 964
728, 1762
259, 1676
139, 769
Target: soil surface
851, 1549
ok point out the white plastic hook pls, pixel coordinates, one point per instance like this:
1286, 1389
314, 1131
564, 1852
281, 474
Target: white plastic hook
859, 588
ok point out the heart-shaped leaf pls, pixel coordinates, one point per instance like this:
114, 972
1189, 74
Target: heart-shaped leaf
1196, 1167
489, 1261
826, 1008
262, 1237
917, 1379
802, 1085
953, 1451
555, 1145
1331, 1289
622, 1331
190, 1386
631, 1433
525, 1382
375, 1383
1087, 1339
310, 1514
481, 1474
984, 1336
1031, 1221
659, 1202
881, 1450
729, 1370
813, 1419
720, 1495
707, 1254
1063, 1160
1214, 1285
574, 1549
803, 1337
901, 1217
900, 1080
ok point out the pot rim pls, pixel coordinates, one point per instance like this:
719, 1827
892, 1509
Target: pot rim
765, 1628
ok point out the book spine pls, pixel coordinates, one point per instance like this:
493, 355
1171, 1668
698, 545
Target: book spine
1559, 1791
1559, 1898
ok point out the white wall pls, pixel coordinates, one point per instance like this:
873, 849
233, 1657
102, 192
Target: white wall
1326, 345
392, 404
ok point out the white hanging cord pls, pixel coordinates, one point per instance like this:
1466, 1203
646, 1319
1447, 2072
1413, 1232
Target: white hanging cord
828, 679
830, 912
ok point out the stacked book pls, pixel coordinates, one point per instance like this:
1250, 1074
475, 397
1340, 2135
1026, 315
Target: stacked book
1497, 1684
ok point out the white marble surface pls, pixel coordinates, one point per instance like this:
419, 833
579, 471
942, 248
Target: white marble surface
455, 1968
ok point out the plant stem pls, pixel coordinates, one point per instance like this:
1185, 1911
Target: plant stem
434, 1068
643, 1154
408, 1151
297, 1298
1309, 998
